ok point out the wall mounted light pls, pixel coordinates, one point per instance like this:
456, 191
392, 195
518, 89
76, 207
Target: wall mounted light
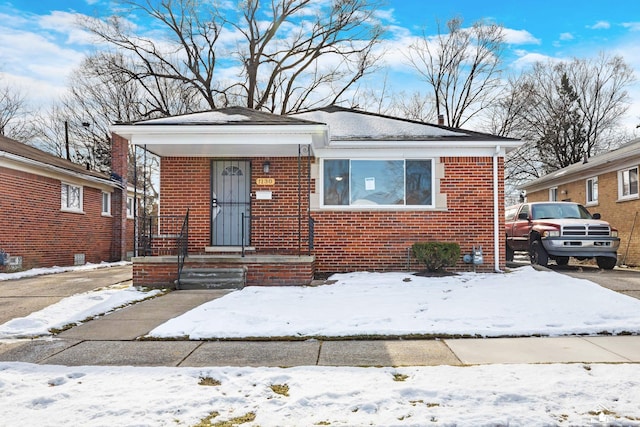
266, 166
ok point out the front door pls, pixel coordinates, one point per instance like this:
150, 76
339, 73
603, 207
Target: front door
230, 198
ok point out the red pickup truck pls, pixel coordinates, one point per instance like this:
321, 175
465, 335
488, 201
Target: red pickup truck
557, 231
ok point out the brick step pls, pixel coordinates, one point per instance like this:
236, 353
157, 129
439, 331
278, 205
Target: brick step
213, 278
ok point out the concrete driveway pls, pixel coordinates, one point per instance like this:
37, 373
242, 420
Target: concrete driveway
43, 291
623, 280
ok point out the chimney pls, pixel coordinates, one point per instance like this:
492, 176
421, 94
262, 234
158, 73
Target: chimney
440, 119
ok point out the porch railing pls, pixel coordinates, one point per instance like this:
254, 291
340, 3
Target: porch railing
182, 245
158, 234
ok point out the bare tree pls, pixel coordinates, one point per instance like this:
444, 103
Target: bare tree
462, 68
13, 111
565, 111
288, 54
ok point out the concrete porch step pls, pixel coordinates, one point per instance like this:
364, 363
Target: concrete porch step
213, 278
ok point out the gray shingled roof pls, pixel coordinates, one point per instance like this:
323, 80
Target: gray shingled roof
28, 152
226, 116
601, 162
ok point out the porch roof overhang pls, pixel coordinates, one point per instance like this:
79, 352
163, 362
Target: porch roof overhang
224, 141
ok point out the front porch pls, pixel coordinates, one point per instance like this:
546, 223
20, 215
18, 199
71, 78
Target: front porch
261, 270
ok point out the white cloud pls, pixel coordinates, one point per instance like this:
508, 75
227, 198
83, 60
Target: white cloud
600, 25
519, 37
67, 24
566, 36
632, 26
527, 58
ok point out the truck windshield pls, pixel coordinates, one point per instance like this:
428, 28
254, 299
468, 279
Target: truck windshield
557, 210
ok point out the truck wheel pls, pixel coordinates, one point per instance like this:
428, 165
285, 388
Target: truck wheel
605, 262
538, 255
562, 260
509, 252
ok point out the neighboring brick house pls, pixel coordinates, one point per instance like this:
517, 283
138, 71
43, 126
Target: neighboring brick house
606, 184
330, 190
57, 213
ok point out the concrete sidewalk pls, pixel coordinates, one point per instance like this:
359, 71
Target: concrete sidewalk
112, 340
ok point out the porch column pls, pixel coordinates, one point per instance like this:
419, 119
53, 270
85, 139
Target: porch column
119, 168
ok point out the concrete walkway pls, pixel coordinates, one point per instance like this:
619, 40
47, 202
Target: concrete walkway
112, 339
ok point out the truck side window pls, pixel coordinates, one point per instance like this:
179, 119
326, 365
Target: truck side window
524, 210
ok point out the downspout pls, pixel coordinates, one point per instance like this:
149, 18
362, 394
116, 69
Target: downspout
496, 213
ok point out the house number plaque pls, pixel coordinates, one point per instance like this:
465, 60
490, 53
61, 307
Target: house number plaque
265, 181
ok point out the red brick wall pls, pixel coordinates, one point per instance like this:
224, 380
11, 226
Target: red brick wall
34, 227
348, 240
158, 274
185, 183
379, 240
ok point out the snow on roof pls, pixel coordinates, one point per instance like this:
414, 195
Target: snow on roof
207, 117
351, 125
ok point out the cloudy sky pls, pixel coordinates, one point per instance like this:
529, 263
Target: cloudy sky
40, 43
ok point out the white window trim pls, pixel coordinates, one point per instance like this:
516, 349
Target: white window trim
130, 213
621, 186
593, 179
432, 206
63, 204
108, 211
552, 191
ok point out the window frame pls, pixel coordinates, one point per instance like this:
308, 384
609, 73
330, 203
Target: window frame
130, 207
64, 201
621, 189
106, 203
404, 206
553, 194
591, 190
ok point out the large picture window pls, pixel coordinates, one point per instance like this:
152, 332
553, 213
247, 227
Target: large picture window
378, 182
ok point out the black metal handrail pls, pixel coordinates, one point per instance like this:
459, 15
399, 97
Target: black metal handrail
182, 245
157, 227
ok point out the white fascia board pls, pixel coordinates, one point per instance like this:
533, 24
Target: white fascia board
23, 164
134, 132
402, 151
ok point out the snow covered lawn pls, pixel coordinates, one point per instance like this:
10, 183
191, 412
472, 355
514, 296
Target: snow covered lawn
520, 303
519, 395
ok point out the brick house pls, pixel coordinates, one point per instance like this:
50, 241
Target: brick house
55, 212
329, 190
606, 184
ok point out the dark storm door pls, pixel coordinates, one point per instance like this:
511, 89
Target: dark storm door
230, 198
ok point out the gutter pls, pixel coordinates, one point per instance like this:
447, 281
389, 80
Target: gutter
496, 213
57, 169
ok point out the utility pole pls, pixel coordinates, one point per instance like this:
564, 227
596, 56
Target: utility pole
66, 138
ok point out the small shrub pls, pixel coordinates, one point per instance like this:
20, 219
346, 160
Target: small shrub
436, 255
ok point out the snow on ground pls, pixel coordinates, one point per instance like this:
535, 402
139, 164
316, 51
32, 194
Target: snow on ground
73, 310
523, 302
51, 270
527, 395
